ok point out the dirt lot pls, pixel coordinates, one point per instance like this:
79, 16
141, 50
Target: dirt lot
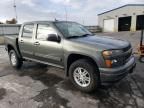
39, 86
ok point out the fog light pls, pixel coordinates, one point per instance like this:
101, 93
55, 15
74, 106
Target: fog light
114, 61
110, 63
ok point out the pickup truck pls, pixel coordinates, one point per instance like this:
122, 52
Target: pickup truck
88, 60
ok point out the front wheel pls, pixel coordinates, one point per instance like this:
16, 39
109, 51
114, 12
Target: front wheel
84, 75
141, 59
15, 61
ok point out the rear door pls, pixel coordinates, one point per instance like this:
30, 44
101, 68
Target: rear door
48, 51
26, 41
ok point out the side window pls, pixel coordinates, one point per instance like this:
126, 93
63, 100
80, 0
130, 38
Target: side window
43, 31
28, 31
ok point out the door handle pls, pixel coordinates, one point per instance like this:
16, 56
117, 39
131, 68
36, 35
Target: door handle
21, 41
36, 43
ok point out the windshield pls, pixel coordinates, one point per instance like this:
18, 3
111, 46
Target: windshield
72, 29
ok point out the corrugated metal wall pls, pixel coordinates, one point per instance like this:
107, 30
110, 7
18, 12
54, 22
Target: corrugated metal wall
8, 29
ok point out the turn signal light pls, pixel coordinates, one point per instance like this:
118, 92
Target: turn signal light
108, 63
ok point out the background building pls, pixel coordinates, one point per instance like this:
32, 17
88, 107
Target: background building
125, 18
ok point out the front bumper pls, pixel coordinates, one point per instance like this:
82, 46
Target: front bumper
111, 75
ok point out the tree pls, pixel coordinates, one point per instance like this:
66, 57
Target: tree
12, 21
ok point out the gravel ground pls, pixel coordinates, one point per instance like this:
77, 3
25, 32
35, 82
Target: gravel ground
40, 86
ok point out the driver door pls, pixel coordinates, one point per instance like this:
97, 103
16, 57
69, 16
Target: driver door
47, 51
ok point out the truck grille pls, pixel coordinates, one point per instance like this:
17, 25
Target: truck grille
127, 55
122, 59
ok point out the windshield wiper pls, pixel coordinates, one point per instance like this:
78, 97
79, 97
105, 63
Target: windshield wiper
85, 35
73, 37
78, 36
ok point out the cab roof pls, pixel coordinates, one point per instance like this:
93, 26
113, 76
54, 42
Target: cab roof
37, 22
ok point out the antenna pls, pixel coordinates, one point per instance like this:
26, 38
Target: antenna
15, 10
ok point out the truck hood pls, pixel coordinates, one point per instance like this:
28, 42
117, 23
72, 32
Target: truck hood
104, 42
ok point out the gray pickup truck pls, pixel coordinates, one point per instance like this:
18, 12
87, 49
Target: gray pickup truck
88, 60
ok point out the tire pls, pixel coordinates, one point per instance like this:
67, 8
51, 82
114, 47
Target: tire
141, 59
89, 70
15, 61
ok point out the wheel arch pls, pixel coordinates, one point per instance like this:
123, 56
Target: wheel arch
11, 47
73, 57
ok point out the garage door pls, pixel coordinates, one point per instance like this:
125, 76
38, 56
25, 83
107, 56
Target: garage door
124, 23
140, 22
109, 25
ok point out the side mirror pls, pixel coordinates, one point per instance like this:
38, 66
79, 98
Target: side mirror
53, 38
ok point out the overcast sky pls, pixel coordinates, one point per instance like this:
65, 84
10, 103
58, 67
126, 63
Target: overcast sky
82, 11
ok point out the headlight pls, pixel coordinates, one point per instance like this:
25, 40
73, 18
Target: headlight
111, 62
111, 52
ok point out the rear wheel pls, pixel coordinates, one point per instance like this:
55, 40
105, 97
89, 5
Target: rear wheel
84, 75
15, 61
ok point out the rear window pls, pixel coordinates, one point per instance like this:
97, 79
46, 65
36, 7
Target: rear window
28, 31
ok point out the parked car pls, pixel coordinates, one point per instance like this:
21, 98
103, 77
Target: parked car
88, 60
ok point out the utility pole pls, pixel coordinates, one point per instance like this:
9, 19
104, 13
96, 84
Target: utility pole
15, 10
83, 21
66, 13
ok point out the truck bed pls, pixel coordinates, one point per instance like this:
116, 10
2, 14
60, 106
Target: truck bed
10, 40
